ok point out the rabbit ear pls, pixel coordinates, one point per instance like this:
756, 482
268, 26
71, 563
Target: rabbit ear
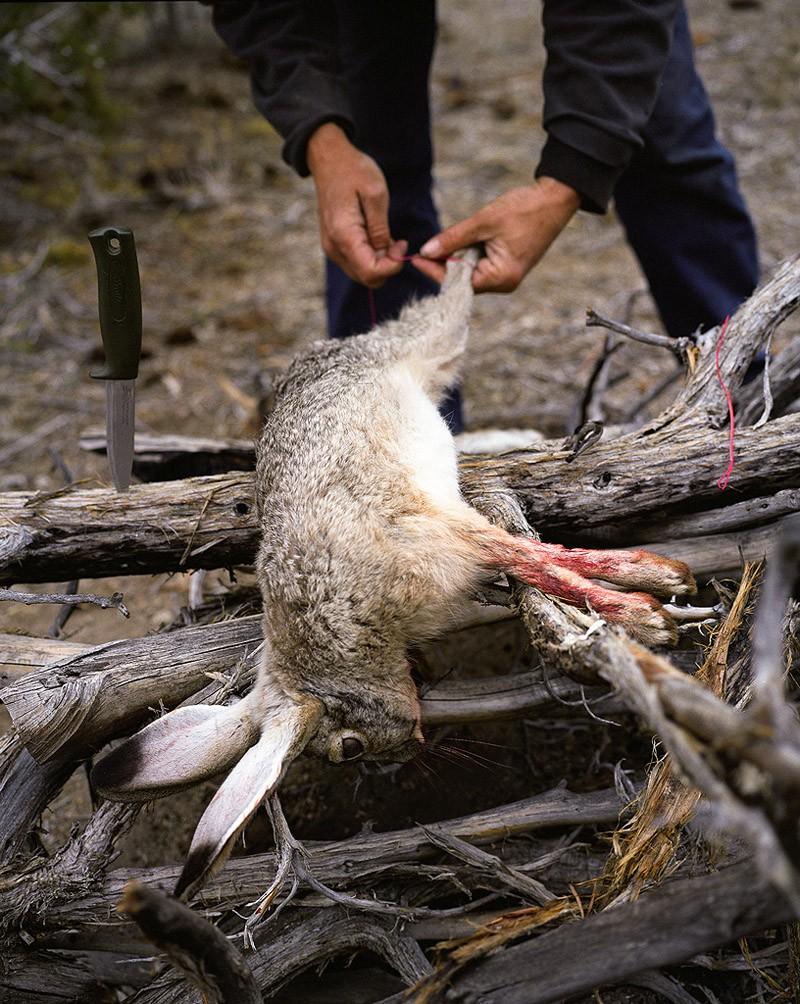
284, 735
178, 750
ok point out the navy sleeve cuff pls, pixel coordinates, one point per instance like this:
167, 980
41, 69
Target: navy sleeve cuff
593, 180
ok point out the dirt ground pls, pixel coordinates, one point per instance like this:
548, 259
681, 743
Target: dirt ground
232, 285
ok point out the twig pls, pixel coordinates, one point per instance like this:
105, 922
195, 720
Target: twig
519, 883
769, 699
65, 611
193, 945
25, 442
679, 346
115, 601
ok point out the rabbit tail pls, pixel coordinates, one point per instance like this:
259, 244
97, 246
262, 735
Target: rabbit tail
437, 328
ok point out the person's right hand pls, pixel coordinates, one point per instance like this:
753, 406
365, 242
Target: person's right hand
353, 208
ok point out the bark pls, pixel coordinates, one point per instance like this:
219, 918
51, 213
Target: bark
76, 705
169, 458
663, 927
195, 947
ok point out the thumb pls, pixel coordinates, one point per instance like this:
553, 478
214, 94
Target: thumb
459, 236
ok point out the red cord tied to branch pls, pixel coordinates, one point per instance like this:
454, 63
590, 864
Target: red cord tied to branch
724, 481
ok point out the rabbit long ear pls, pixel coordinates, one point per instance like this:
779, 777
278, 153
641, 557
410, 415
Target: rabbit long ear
178, 750
283, 737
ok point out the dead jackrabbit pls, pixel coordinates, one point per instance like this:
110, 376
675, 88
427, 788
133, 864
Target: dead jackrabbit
367, 548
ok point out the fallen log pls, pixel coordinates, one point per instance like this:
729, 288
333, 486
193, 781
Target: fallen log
169, 458
663, 927
70, 708
210, 522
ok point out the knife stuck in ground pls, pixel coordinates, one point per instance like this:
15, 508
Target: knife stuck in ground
120, 302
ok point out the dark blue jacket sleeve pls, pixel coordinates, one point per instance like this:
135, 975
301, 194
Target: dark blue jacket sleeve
291, 49
604, 64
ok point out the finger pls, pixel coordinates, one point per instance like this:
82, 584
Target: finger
496, 277
398, 251
375, 208
432, 269
459, 236
353, 253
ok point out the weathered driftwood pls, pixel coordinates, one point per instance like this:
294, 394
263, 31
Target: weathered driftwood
19, 654
784, 379
720, 553
292, 945
360, 859
663, 927
79, 703
169, 458
26, 788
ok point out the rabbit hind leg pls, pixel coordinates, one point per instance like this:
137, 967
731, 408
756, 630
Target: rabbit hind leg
638, 612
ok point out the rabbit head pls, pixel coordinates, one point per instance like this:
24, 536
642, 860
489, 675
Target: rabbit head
255, 740
374, 723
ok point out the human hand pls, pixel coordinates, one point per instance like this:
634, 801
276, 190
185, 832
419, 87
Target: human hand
516, 230
353, 208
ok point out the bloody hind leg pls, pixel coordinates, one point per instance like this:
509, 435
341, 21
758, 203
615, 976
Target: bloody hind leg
633, 569
527, 560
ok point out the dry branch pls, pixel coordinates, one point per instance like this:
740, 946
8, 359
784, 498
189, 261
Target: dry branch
76, 705
113, 602
360, 859
661, 928
210, 523
709, 740
784, 380
198, 949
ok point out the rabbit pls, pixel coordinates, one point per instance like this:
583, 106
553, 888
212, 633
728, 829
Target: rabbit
367, 548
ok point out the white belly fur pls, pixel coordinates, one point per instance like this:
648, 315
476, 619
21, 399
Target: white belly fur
425, 444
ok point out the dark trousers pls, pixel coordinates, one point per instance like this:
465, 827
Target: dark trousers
678, 200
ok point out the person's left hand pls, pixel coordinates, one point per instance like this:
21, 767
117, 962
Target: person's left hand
516, 230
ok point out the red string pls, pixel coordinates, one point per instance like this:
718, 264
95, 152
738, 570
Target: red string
724, 481
373, 311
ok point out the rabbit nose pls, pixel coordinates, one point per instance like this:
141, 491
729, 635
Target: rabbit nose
351, 748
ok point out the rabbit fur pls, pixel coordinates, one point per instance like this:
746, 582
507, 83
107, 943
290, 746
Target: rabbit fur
367, 547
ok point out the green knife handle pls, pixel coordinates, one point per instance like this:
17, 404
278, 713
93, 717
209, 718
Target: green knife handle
120, 300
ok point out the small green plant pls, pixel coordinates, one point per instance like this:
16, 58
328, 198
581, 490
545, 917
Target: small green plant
54, 58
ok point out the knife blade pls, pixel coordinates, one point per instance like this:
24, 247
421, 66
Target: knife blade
119, 301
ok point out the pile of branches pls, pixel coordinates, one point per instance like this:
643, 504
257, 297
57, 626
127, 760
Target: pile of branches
727, 731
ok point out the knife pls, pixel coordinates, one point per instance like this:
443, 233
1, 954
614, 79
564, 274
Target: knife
119, 299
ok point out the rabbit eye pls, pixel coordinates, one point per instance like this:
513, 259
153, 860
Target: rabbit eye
352, 748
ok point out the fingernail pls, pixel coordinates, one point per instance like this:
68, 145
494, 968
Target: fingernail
433, 248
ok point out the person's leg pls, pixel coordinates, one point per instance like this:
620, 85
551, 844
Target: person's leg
386, 52
681, 207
